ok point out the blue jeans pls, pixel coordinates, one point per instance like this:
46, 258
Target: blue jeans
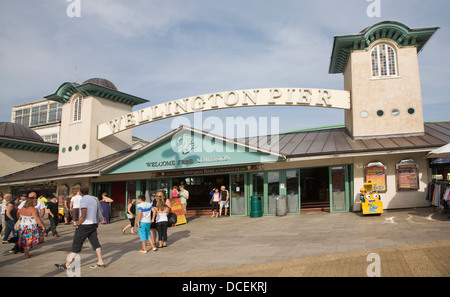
10, 227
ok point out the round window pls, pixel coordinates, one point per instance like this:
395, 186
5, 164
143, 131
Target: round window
364, 114
380, 113
411, 111
395, 112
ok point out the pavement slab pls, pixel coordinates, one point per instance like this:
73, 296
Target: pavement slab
409, 243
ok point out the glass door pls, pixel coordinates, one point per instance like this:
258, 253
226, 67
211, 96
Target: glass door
258, 187
292, 193
237, 193
273, 191
152, 189
339, 198
166, 187
100, 188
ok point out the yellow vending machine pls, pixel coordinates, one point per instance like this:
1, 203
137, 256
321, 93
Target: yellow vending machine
371, 203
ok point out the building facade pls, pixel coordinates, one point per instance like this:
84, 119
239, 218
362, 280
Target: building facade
42, 116
384, 139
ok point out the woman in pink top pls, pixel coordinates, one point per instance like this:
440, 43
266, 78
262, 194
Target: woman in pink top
175, 193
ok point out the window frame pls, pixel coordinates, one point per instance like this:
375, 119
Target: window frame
77, 109
34, 116
385, 68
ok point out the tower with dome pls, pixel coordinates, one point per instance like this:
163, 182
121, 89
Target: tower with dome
84, 107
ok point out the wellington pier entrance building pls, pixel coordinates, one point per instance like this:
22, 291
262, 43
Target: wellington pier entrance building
384, 139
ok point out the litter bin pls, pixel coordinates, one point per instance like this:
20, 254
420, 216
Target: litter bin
281, 205
255, 206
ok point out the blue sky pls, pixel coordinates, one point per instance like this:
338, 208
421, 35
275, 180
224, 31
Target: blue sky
167, 50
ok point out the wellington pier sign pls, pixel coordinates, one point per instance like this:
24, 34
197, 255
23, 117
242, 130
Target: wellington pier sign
230, 99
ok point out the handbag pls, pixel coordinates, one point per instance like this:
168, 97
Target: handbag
100, 217
17, 225
172, 218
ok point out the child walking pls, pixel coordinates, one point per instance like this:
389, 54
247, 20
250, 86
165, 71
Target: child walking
146, 215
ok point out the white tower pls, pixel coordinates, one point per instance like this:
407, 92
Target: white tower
84, 107
381, 71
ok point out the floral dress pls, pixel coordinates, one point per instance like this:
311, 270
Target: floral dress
30, 233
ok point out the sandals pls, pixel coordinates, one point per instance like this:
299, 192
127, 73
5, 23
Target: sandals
144, 251
132, 233
98, 266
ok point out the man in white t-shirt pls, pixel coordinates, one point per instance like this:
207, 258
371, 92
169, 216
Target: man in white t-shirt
86, 228
40, 206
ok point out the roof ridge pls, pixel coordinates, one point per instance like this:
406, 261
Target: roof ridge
315, 129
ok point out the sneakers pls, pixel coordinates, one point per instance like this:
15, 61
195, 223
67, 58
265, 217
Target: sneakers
48, 231
144, 251
61, 266
64, 267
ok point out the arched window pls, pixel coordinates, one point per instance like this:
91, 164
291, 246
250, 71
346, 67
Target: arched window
384, 62
77, 105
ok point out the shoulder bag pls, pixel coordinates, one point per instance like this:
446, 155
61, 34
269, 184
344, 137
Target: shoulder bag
172, 218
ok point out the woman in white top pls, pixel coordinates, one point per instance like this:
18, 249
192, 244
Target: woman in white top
162, 222
31, 231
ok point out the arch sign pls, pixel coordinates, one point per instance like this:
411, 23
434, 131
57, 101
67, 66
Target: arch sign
230, 99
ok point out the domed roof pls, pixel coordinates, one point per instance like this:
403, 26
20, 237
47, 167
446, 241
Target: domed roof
101, 82
18, 131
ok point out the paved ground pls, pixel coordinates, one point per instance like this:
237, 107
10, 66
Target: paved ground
411, 242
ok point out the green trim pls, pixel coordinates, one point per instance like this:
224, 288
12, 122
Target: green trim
266, 194
29, 146
396, 31
351, 186
67, 89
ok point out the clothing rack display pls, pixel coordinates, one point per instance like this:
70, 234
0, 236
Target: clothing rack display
438, 193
